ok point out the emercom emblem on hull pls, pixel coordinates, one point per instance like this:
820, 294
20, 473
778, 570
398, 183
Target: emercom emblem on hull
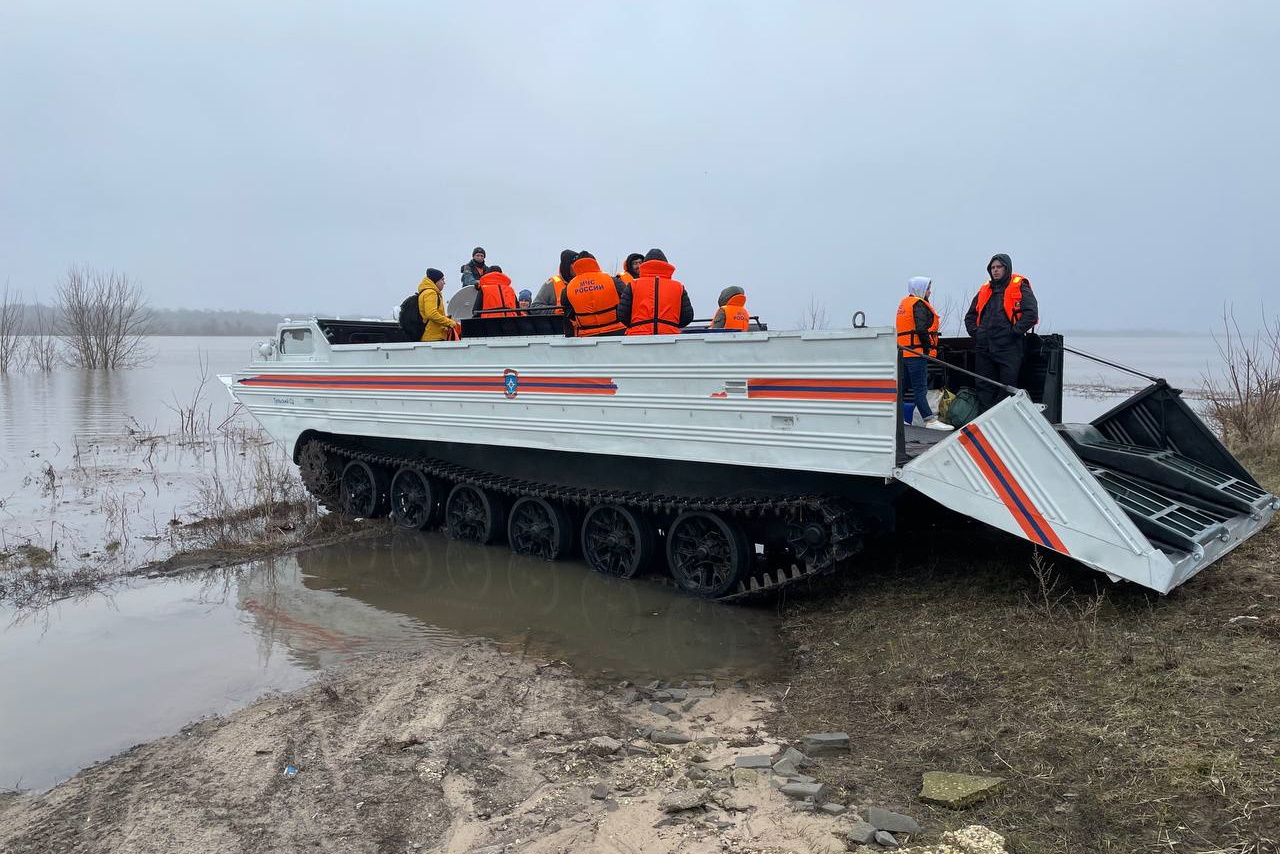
510, 382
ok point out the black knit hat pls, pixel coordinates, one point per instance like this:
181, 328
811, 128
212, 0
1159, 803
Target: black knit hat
479, 249
494, 269
566, 263
655, 255
583, 254
434, 275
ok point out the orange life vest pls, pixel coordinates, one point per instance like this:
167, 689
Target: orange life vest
735, 313
1012, 298
557, 285
496, 292
626, 277
655, 301
905, 324
594, 298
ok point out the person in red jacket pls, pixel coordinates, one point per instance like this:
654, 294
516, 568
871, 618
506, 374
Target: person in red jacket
655, 303
494, 291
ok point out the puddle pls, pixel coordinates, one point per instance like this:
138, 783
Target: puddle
86, 679
632, 629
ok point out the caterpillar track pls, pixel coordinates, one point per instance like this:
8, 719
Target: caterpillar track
804, 535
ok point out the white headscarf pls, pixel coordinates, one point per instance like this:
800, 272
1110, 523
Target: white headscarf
918, 286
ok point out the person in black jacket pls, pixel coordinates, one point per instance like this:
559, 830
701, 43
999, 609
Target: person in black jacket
1002, 313
475, 268
655, 264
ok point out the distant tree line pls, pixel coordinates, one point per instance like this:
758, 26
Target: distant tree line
164, 321
204, 321
101, 319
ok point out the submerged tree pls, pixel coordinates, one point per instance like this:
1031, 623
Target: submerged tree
10, 327
103, 319
814, 315
42, 343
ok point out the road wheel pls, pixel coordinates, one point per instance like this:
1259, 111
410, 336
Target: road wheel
472, 514
707, 553
415, 499
617, 540
539, 528
362, 490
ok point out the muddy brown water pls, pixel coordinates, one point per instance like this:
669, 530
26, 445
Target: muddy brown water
84, 679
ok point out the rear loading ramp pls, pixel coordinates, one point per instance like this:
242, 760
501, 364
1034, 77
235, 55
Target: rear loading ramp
1148, 515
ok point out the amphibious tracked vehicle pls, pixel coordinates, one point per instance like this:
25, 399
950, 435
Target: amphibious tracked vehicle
740, 461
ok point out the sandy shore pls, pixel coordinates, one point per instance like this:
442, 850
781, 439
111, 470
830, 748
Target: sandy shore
466, 750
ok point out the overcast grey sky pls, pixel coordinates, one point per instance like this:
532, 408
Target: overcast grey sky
318, 155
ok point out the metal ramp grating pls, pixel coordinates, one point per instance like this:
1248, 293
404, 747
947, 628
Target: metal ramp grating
1158, 515
1219, 480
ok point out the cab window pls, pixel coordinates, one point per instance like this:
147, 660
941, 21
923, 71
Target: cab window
296, 342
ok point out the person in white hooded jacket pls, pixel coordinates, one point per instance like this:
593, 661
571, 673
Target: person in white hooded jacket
917, 325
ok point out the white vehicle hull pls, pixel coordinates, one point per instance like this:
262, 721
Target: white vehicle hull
656, 420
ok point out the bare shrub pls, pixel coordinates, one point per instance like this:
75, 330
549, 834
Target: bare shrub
256, 505
951, 311
195, 418
1243, 402
1054, 602
814, 315
104, 318
10, 327
42, 345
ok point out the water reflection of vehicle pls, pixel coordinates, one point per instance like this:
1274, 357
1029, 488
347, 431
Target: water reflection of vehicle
552, 609
321, 627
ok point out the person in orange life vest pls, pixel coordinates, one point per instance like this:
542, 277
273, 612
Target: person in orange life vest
1002, 313
590, 300
732, 313
655, 303
436, 325
475, 268
630, 268
917, 327
494, 291
553, 288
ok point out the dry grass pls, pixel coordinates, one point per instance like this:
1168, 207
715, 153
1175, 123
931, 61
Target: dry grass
1124, 721
260, 509
30, 576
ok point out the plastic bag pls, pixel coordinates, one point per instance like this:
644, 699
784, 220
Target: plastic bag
943, 403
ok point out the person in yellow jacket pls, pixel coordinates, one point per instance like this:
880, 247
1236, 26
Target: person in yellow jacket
436, 324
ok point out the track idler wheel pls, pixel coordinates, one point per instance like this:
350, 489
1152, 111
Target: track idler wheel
617, 540
810, 541
362, 490
416, 499
472, 514
707, 553
538, 528
320, 473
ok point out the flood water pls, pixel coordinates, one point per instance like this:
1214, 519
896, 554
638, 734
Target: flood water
84, 679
